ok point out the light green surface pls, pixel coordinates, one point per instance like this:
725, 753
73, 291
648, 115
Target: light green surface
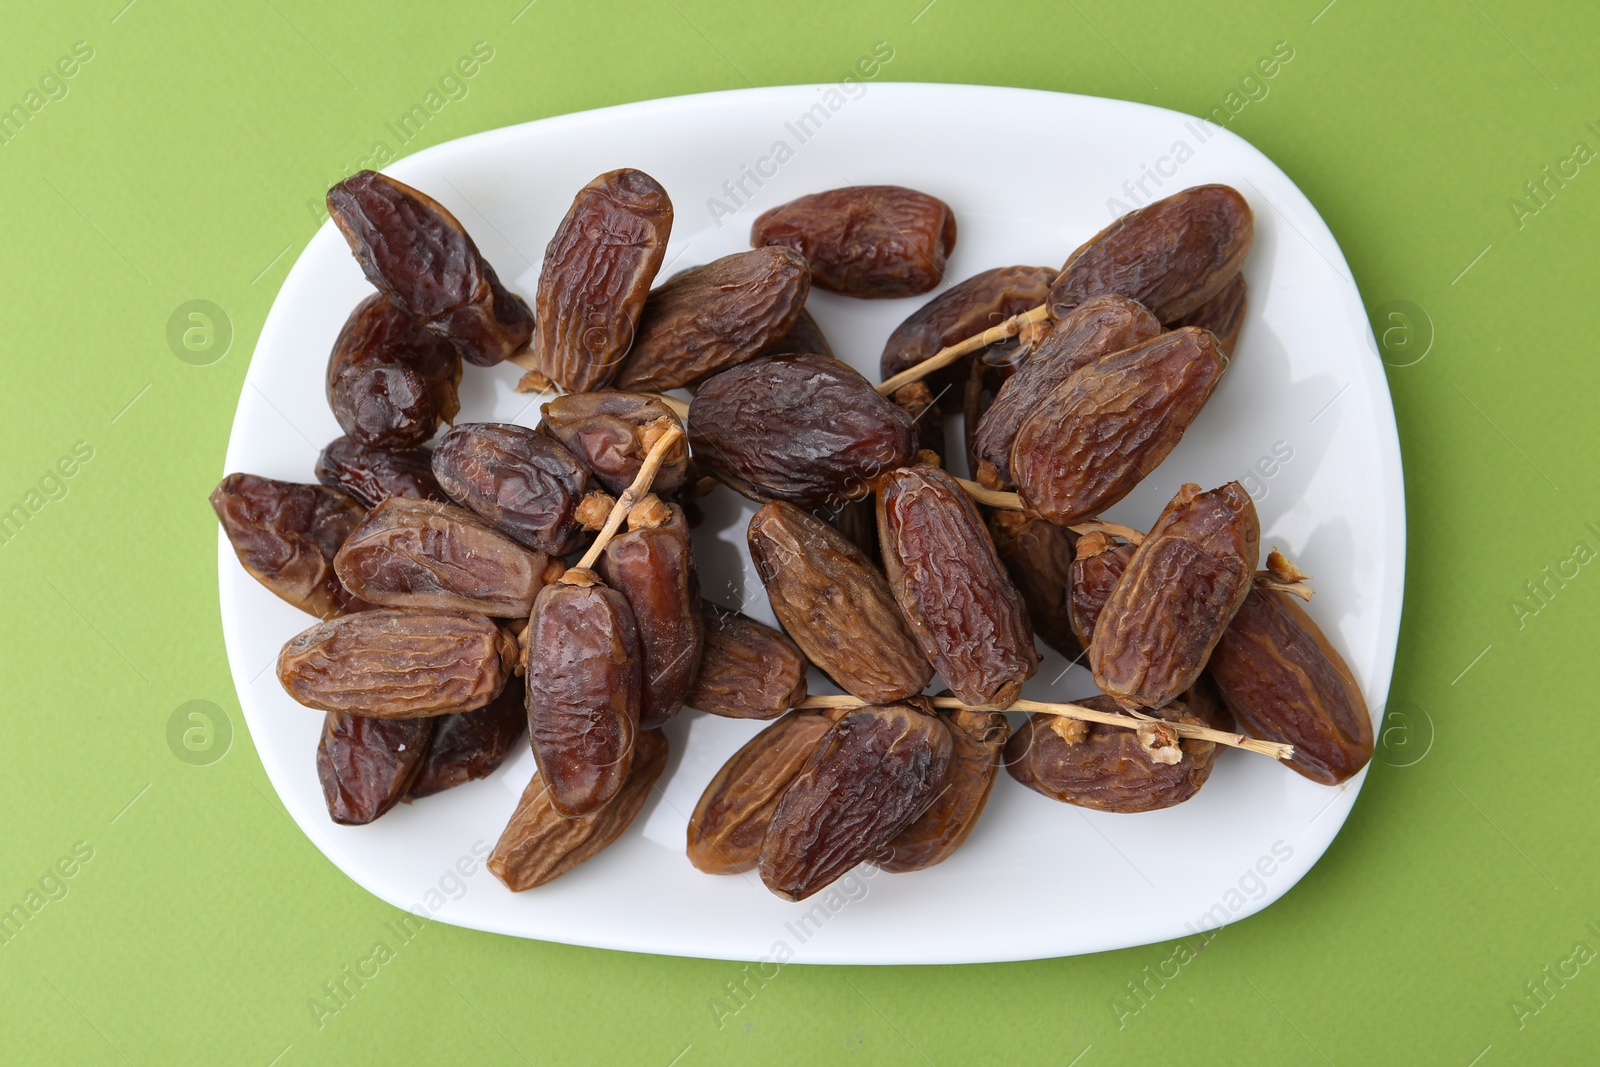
178, 166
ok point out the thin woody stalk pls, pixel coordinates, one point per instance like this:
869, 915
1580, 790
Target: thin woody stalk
946, 356
631, 496
1078, 711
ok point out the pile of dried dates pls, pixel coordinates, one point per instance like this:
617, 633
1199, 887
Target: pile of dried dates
494, 577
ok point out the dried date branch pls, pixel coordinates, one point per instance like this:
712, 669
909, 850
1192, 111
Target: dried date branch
945, 356
1130, 721
996, 498
631, 496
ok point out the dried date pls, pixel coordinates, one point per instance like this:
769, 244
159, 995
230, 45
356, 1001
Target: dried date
1101, 431
1182, 586
398, 664
1098, 328
390, 382
714, 317
366, 765
523, 482
1172, 256
807, 429
1097, 567
421, 259
874, 773
1284, 681
471, 745
373, 475
540, 843
978, 737
597, 272
584, 691
652, 565
747, 670
1038, 555
1223, 315
865, 240
836, 605
611, 432
423, 554
952, 589
286, 535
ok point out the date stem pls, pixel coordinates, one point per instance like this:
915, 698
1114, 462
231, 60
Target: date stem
994, 498
1077, 711
1127, 533
946, 356
631, 495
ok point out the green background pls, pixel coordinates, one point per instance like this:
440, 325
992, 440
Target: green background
178, 167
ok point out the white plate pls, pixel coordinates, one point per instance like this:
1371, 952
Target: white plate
1030, 175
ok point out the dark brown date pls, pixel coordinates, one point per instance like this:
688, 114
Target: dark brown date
1097, 567
471, 745
964, 309
286, 535
807, 429
1171, 256
611, 433
805, 336
584, 691
836, 605
874, 773
866, 240
523, 482
418, 256
1284, 681
540, 843
713, 317
1182, 586
977, 740
438, 557
1223, 315
952, 589
366, 765
390, 382
597, 272
1110, 768
1038, 556
1101, 431
730, 821
1099, 327
747, 670
373, 475
397, 664
652, 565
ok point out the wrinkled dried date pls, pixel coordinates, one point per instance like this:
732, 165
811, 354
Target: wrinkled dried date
584, 691
611, 433
1098, 328
521, 481
286, 535
730, 821
1097, 567
390, 382
866, 240
471, 745
423, 554
1284, 681
397, 664
952, 588
1109, 768
836, 605
1171, 256
807, 429
1038, 556
373, 475
597, 272
874, 773
540, 843
713, 317
366, 765
965, 309
747, 670
805, 336
978, 738
1223, 315
418, 255
652, 565
1093, 439
1182, 586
